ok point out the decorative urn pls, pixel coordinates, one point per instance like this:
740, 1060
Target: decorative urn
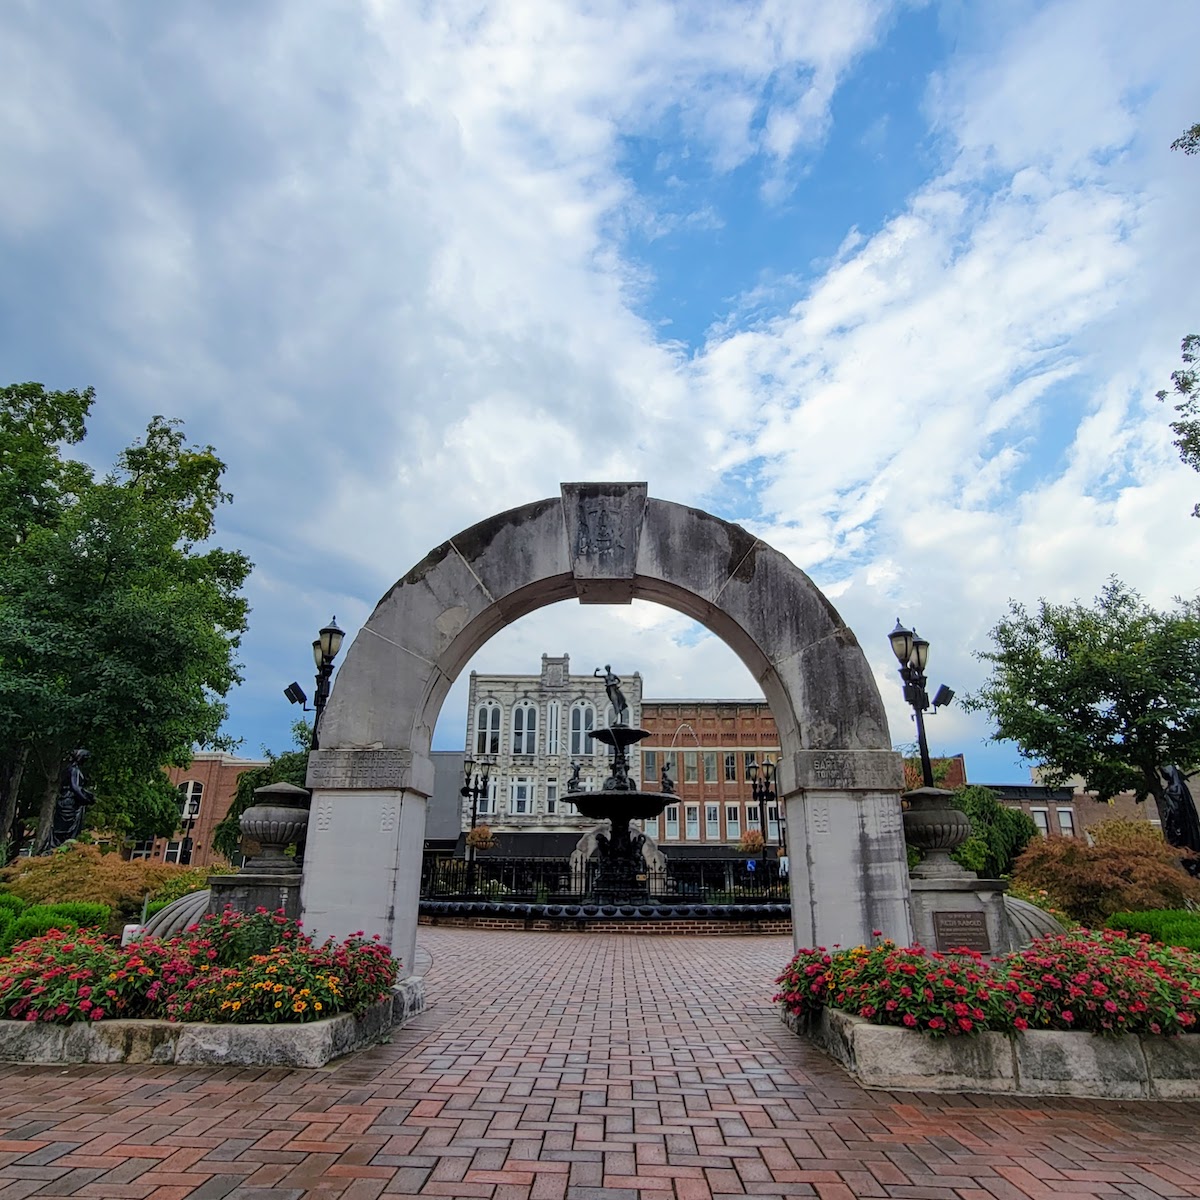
277, 819
935, 827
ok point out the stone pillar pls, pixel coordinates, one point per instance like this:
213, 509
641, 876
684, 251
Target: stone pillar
366, 838
848, 865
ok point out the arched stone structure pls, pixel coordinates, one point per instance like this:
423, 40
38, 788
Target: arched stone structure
605, 543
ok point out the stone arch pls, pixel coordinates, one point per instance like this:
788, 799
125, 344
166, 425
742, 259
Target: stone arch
606, 543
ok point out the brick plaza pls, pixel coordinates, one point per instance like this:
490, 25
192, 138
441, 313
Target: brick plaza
574, 1067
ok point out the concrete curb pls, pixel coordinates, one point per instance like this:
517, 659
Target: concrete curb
312, 1044
1042, 1062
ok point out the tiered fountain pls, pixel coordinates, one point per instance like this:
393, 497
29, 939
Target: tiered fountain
622, 874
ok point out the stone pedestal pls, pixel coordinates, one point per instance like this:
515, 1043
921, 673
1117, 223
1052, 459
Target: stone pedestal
248, 891
949, 913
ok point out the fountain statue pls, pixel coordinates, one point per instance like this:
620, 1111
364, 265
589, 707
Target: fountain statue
622, 874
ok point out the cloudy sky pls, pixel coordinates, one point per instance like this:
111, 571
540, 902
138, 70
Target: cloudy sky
891, 284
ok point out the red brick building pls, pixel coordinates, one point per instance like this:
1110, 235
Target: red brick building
707, 747
206, 790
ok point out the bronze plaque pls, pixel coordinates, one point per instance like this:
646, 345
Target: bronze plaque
957, 929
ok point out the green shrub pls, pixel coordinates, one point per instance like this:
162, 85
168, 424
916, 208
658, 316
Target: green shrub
185, 881
12, 904
85, 914
32, 925
156, 906
1170, 926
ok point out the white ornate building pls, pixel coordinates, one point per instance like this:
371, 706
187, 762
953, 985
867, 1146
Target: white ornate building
533, 728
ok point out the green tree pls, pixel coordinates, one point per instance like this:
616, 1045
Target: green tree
1186, 381
119, 625
289, 767
1110, 692
998, 833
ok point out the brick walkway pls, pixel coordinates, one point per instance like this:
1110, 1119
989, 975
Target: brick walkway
574, 1067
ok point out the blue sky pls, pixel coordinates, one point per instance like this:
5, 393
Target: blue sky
891, 284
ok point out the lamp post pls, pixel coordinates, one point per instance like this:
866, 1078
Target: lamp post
325, 650
763, 791
474, 786
191, 810
912, 653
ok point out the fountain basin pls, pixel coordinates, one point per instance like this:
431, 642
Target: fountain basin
620, 807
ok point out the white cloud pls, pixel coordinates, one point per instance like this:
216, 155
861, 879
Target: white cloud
378, 255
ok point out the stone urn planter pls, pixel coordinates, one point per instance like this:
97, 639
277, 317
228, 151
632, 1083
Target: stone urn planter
935, 827
277, 819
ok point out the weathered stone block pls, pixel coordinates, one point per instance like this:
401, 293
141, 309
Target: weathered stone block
30, 1041
1059, 1063
902, 1058
1173, 1064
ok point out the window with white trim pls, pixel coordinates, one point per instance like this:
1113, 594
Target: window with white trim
583, 719
650, 766
651, 827
733, 822
691, 822
712, 822
672, 822
710, 766
750, 759
191, 792
731, 768
773, 822
487, 728
1066, 822
524, 727
753, 820
690, 767
172, 851
552, 796
487, 802
142, 849
520, 796
671, 764
1041, 818
553, 721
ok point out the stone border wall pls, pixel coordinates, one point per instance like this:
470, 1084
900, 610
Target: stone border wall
312, 1044
1042, 1062
650, 928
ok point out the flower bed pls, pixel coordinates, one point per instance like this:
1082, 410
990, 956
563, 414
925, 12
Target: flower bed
1021, 1023
1102, 982
257, 969
230, 990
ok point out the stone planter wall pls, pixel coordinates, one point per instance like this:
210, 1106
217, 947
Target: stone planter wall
1035, 1063
194, 1043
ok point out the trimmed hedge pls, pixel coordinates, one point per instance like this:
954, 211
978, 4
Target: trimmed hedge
1170, 926
85, 914
12, 904
32, 924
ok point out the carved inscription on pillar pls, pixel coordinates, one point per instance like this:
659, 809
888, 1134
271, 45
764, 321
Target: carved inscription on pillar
364, 770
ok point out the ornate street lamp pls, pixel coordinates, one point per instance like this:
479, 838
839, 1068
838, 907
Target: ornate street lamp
763, 791
912, 653
474, 786
325, 650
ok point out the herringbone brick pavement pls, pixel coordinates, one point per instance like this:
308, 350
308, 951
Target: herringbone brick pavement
574, 1067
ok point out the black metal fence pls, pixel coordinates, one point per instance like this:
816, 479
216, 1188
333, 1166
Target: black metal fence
557, 881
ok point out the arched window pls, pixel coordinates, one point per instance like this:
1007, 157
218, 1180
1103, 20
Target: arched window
191, 792
524, 727
553, 721
487, 728
583, 719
